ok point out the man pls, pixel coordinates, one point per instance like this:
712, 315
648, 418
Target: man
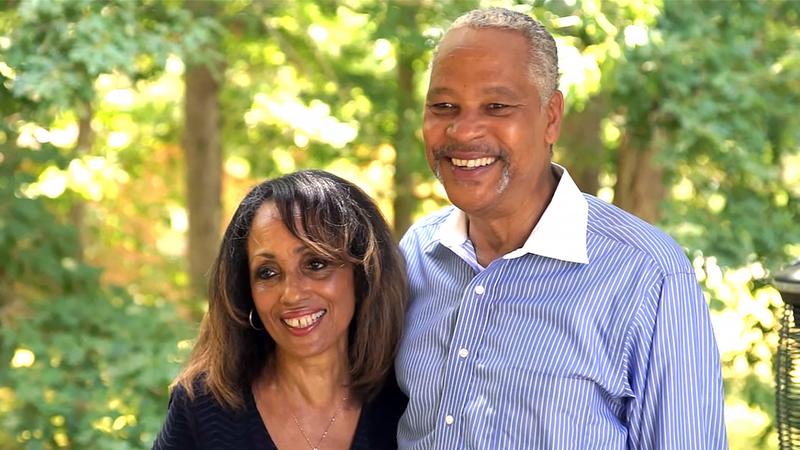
541, 318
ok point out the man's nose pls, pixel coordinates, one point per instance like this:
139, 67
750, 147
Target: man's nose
466, 126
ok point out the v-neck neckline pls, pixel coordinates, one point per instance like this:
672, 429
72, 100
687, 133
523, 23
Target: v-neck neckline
261, 436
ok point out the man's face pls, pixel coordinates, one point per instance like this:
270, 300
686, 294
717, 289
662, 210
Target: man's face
486, 135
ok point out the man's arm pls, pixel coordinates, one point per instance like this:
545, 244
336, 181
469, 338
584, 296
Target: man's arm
676, 379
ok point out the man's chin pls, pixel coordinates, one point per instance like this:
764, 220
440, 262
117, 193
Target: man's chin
472, 202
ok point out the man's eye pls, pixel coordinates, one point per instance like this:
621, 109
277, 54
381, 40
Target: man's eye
499, 109
442, 107
265, 273
497, 106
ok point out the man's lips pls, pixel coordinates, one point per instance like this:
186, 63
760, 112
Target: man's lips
473, 163
469, 156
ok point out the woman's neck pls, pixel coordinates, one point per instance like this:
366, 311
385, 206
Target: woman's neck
306, 403
317, 382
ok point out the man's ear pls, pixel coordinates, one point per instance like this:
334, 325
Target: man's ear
555, 111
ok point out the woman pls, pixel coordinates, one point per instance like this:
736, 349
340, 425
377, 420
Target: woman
306, 301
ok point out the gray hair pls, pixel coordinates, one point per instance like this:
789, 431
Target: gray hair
542, 53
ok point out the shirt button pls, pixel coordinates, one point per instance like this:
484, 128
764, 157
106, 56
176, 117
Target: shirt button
463, 353
449, 419
479, 289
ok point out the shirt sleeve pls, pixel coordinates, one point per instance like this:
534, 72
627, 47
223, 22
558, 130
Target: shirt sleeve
178, 429
675, 376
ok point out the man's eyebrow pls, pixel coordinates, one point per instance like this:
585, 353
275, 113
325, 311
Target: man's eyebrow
439, 91
501, 90
493, 90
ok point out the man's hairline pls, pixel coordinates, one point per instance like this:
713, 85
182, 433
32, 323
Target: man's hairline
543, 99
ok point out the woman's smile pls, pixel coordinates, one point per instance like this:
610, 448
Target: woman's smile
304, 322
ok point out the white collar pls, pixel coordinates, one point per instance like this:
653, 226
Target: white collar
559, 234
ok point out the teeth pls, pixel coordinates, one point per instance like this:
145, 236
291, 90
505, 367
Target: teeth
304, 321
472, 163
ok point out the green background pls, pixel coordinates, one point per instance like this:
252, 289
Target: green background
683, 112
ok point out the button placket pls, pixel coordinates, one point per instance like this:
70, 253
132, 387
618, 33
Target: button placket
457, 389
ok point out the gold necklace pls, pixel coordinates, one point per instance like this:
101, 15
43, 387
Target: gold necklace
327, 428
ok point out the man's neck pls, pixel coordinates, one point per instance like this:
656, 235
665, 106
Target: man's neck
500, 232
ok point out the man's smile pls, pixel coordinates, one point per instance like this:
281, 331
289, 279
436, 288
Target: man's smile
473, 163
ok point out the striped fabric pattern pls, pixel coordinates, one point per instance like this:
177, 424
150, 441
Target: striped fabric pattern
537, 352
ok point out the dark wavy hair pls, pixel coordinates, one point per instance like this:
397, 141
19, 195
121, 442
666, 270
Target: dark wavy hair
336, 219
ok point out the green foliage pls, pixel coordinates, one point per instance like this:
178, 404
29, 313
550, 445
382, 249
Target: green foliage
84, 364
58, 49
102, 364
723, 86
102, 357
339, 85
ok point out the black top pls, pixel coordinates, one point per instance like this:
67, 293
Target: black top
203, 423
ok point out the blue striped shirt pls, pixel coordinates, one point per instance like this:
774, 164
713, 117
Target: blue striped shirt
593, 335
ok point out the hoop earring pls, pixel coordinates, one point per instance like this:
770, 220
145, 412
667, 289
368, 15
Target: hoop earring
250, 319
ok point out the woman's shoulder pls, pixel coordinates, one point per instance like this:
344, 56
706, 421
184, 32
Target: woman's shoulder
190, 395
180, 428
198, 398
209, 424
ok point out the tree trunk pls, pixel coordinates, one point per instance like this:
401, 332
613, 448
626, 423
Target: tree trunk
203, 151
77, 211
583, 153
407, 149
640, 184
405, 144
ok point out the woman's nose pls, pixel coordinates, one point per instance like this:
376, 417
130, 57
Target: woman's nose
294, 288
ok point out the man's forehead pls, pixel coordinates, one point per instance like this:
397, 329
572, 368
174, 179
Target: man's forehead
476, 42
477, 37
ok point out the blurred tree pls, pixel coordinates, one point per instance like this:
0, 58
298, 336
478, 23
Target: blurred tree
335, 85
202, 143
78, 357
401, 27
705, 98
65, 46
77, 353
681, 112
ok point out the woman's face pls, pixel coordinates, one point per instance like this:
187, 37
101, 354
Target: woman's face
305, 301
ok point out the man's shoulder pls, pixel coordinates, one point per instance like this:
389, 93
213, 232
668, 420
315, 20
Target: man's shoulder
609, 223
424, 229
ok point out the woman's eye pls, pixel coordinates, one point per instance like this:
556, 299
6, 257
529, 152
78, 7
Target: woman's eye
265, 273
317, 264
